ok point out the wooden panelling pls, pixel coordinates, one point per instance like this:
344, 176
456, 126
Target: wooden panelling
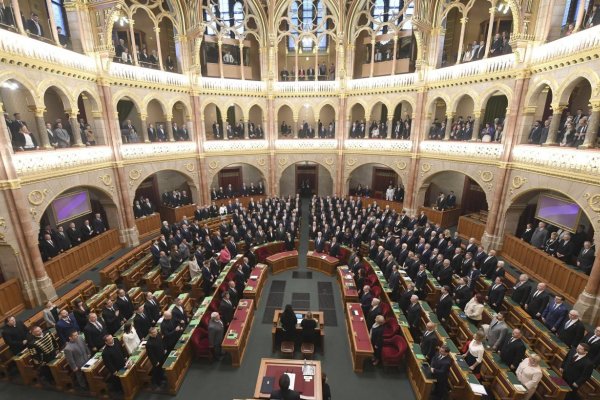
543, 267
149, 225
446, 218
11, 298
68, 265
470, 228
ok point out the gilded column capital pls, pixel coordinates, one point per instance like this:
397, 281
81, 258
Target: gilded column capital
39, 111
143, 116
169, 117
558, 108
156, 29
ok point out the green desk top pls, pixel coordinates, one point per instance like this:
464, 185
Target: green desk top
178, 271
135, 266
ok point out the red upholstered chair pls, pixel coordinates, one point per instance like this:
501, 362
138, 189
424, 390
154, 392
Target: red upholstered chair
376, 291
393, 351
386, 310
367, 268
370, 280
391, 328
199, 341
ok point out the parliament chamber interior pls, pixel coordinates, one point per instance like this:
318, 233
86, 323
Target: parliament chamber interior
300, 199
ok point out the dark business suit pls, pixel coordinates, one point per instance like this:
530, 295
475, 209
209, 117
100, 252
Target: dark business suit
573, 334
156, 353
537, 302
594, 343
413, 317
152, 310
287, 395
429, 344
577, 372
441, 370
125, 307
520, 293
142, 324
512, 351
444, 308
462, 295
554, 315
496, 296
377, 341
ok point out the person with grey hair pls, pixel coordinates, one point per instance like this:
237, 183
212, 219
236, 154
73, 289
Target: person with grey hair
572, 331
216, 331
539, 236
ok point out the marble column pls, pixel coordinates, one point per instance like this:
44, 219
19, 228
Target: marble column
158, 48
591, 136
580, 14
395, 49
449, 121
169, 127
463, 22
296, 127
477, 115
18, 21
588, 302
488, 42
132, 47
40, 122
220, 47
53, 29
390, 122
554, 125
145, 137
372, 67
75, 129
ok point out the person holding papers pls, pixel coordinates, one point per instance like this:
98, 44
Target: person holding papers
529, 374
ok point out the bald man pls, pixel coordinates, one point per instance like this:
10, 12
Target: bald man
429, 342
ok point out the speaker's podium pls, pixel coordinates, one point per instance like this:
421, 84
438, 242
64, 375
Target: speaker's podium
305, 378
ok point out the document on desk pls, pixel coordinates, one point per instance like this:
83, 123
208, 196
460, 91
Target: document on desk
292, 377
91, 362
477, 389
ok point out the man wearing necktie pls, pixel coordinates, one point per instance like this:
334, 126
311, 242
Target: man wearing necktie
537, 301
577, 368
440, 368
141, 322
48, 248
555, 314
586, 257
429, 342
592, 339
572, 331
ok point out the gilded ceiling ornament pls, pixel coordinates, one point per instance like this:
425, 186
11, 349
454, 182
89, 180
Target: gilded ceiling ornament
486, 176
189, 167
36, 197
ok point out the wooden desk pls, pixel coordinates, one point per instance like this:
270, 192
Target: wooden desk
176, 214
256, 283
11, 298
461, 379
321, 262
153, 279
134, 274
347, 284
148, 225
403, 322
385, 288
96, 302
271, 367
237, 334
516, 315
358, 336
277, 330
267, 249
446, 218
177, 279
422, 386
96, 374
61, 372
282, 261
469, 227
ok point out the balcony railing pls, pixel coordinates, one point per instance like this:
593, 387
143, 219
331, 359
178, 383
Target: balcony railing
156, 150
482, 67
572, 44
381, 145
307, 87
36, 50
34, 162
133, 73
382, 82
306, 144
466, 150
232, 85
559, 159
218, 146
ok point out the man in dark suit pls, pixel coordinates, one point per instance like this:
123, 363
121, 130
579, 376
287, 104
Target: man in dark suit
95, 331
98, 224
404, 300
152, 308
111, 316
444, 276
444, 305
592, 339
440, 369
319, 243
171, 330
421, 281
586, 257
365, 299
141, 322
34, 25
473, 276
49, 248
429, 341
114, 359
490, 263
512, 350
521, 290
537, 301
413, 316
234, 296
555, 314
526, 236
156, 353
462, 293
226, 309
374, 311
179, 314
577, 368
571, 332
495, 295
124, 305
565, 248
284, 391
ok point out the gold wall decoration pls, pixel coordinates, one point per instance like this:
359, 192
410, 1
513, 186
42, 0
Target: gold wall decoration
189, 167
135, 174
261, 161
351, 162
282, 161
401, 165
329, 161
3, 225
425, 167
516, 183
36, 197
593, 201
486, 176
213, 164
106, 179
33, 212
